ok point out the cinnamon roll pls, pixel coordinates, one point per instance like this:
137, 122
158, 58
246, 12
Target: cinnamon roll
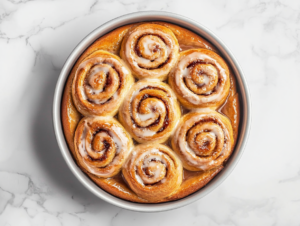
153, 171
150, 50
101, 146
150, 112
203, 140
100, 84
200, 79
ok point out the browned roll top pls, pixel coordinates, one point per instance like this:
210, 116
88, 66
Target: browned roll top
203, 140
150, 112
200, 79
150, 50
153, 171
100, 84
101, 145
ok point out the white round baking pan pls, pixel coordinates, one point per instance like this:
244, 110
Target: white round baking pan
193, 26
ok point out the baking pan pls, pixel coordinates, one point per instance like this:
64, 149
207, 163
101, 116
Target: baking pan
197, 28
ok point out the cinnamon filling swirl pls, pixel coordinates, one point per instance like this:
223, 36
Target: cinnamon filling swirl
150, 112
151, 50
101, 145
200, 79
153, 171
203, 140
100, 84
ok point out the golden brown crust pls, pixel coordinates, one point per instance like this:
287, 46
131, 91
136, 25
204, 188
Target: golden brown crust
187, 39
117, 187
192, 181
69, 116
111, 42
232, 107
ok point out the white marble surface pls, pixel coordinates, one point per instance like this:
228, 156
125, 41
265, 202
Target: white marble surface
36, 186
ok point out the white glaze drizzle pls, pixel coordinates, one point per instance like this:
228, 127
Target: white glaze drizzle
145, 117
185, 149
146, 158
145, 132
121, 142
130, 54
92, 75
115, 64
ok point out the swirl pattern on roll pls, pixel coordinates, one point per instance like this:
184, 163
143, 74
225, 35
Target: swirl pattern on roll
100, 84
153, 171
101, 146
150, 112
151, 50
200, 79
203, 140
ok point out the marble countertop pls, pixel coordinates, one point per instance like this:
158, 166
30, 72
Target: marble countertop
36, 186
